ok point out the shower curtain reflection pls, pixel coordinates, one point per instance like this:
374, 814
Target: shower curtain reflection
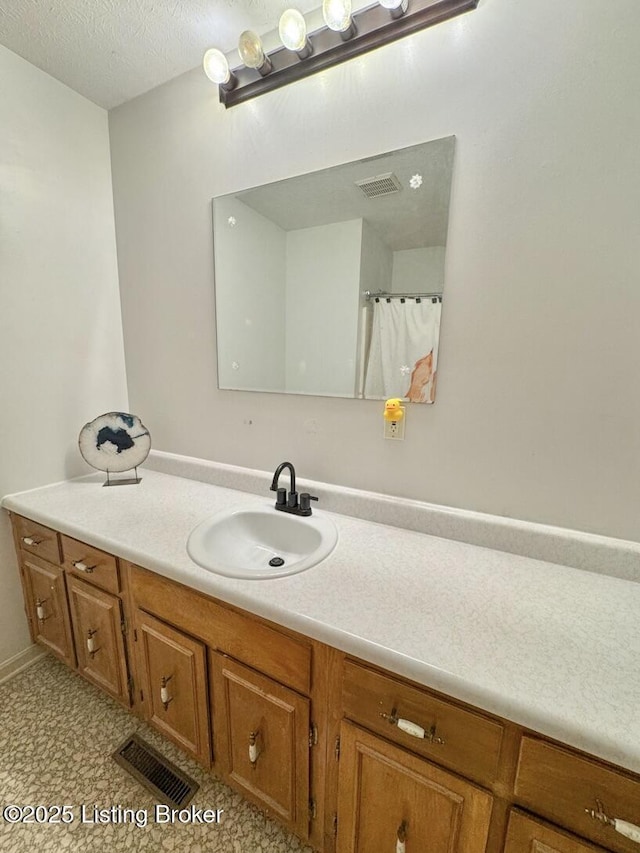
403, 355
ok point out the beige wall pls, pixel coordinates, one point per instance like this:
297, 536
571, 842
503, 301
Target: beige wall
538, 410
60, 328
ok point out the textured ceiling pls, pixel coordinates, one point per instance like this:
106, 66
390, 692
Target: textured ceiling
113, 50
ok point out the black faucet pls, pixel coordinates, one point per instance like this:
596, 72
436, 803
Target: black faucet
290, 502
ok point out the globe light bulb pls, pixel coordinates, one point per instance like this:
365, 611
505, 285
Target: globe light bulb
337, 14
216, 66
293, 30
250, 49
397, 8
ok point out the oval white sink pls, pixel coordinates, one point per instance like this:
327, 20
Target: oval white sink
240, 543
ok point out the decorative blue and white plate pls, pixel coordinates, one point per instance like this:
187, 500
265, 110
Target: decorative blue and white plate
114, 442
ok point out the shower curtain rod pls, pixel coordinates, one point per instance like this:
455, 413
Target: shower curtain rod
381, 295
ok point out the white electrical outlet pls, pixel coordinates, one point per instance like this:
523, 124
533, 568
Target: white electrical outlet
394, 430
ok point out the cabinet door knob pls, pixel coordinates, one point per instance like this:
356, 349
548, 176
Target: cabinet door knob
401, 837
254, 750
624, 827
28, 540
83, 567
91, 643
165, 697
40, 602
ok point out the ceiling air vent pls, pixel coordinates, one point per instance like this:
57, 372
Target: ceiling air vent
380, 185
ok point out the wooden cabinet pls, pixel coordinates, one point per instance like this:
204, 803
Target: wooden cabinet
73, 604
260, 683
172, 668
527, 835
390, 766
262, 740
260, 687
391, 800
46, 604
98, 625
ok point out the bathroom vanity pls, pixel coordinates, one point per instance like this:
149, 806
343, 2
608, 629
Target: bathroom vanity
408, 693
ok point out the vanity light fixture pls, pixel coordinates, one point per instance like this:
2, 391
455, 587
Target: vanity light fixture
293, 33
345, 36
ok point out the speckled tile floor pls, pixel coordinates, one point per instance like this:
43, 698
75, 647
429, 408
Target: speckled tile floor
57, 734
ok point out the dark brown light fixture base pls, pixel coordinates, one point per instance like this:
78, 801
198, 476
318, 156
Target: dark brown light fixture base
375, 27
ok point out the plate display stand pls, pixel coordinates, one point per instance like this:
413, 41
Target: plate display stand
115, 442
127, 481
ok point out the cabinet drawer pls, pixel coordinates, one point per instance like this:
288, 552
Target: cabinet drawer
561, 785
37, 539
90, 563
471, 743
526, 835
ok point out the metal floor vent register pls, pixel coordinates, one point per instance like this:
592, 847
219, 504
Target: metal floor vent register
168, 784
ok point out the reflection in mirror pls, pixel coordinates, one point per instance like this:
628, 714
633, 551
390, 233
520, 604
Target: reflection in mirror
331, 283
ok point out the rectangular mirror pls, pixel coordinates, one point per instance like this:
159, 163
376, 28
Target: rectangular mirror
330, 283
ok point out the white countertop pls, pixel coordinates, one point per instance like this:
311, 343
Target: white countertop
553, 648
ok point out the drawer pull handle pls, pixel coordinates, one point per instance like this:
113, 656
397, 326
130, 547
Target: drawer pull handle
83, 567
91, 643
28, 540
254, 751
401, 838
629, 830
412, 729
165, 698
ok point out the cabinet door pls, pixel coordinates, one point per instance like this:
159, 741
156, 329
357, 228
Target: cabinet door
526, 835
390, 800
173, 669
261, 737
47, 606
96, 617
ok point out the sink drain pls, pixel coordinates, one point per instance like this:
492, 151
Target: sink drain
276, 561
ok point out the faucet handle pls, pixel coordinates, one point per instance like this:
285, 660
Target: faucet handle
305, 499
